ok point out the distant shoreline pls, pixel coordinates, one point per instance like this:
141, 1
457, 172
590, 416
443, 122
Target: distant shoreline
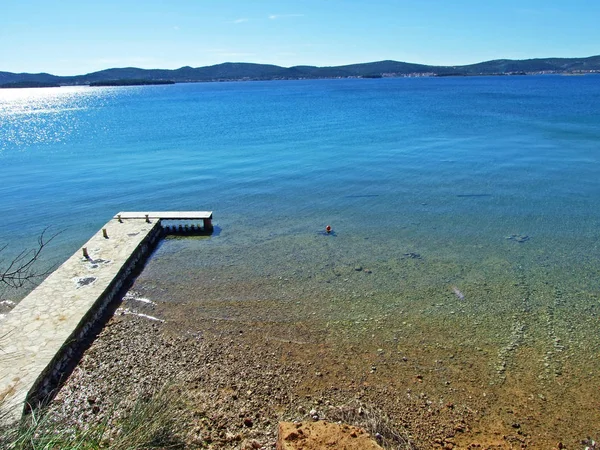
130, 82
266, 72
27, 84
115, 83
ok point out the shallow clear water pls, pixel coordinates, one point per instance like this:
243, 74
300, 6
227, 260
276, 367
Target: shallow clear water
429, 185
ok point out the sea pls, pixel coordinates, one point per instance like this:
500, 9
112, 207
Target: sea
465, 215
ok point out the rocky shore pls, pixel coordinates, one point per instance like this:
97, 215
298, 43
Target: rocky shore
237, 386
235, 368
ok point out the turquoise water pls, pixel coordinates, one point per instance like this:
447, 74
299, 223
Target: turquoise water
372, 156
429, 185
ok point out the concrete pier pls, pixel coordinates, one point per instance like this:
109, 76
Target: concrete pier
44, 335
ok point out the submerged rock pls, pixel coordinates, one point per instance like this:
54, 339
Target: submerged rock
520, 238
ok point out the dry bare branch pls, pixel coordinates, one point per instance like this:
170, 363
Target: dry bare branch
20, 270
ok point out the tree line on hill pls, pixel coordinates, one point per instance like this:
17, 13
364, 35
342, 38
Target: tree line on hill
250, 71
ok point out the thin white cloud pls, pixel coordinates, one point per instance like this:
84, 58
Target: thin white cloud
236, 54
176, 28
284, 16
240, 20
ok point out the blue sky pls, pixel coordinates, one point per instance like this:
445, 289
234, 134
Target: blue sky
67, 37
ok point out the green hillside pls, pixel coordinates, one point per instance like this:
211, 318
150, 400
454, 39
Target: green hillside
249, 71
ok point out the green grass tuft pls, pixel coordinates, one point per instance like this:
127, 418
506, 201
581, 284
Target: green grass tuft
152, 422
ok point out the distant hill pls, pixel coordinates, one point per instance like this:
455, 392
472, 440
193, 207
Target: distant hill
557, 65
249, 71
8, 77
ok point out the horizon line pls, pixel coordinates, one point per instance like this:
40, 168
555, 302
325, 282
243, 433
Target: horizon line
305, 65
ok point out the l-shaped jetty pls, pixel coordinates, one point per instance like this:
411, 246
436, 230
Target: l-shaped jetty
42, 338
